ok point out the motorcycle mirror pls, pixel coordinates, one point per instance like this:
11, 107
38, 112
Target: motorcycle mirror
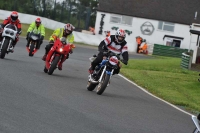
54, 36
73, 46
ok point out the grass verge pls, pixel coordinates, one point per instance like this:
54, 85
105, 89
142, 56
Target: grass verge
164, 78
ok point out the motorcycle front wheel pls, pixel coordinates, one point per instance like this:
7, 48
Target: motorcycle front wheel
32, 47
54, 65
4, 48
103, 84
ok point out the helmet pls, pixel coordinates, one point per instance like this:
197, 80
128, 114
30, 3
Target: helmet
14, 16
120, 35
38, 21
68, 29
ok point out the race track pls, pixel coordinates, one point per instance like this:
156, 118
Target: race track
32, 101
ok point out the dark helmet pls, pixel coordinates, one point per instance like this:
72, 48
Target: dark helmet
14, 16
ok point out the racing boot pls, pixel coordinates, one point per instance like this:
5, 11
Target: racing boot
44, 57
61, 62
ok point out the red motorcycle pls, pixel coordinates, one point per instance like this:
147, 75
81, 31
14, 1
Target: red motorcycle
59, 49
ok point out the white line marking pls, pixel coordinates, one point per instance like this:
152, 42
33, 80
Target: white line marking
154, 95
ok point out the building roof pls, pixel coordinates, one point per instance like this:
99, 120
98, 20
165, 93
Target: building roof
177, 11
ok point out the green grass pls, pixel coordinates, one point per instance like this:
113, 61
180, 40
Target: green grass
164, 78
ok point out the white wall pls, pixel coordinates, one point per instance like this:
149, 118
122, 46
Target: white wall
156, 38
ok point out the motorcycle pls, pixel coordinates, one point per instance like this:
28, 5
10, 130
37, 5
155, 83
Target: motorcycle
103, 72
33, 40
196, 123
9, 34
54, 56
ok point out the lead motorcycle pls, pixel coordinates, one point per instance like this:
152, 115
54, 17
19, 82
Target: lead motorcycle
103, 72
196, 123
34, 41
54, 56
9, 34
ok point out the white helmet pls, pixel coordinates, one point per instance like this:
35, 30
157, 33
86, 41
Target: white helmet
120, 33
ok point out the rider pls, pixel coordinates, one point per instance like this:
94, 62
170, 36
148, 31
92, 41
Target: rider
115, 43
12, 19
37, 28
61, 32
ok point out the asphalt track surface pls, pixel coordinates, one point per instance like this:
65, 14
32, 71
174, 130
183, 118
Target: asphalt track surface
34, 102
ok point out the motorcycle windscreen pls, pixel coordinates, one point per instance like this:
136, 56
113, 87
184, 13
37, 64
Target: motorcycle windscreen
10, 26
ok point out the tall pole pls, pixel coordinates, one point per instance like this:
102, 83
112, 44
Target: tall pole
61, 12
70, 10
15, 6
87, 17
44, 7
54, 10
34, 6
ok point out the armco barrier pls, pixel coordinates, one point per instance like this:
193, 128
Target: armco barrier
186, 61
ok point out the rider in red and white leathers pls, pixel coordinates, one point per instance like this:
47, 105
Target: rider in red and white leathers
13, 19
115, 43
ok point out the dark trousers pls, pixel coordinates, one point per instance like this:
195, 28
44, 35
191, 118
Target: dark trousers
138, 48
47, 48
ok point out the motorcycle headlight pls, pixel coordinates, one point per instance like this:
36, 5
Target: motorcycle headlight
113, 60
7, 31
61, 49
11, 33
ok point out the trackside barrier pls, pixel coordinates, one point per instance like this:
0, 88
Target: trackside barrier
186, 61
